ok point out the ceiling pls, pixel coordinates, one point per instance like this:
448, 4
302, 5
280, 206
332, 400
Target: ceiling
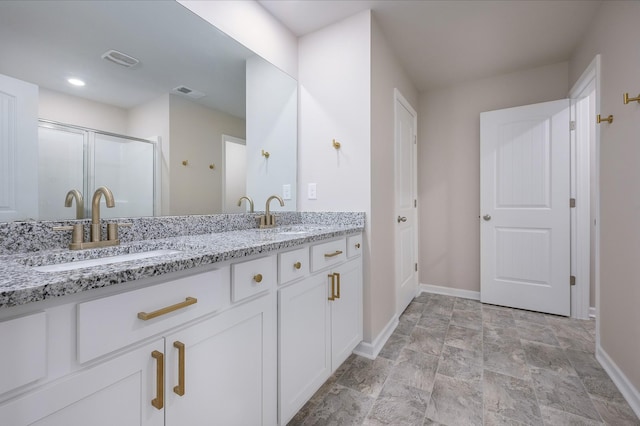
440, 43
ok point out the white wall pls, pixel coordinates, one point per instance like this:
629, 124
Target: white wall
614, 34
272, 118
386, 75
69, 109
250, 24
196, 136
449, 167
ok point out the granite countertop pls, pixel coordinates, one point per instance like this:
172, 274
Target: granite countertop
21, 284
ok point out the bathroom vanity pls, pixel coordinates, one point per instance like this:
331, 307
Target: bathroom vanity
234, 328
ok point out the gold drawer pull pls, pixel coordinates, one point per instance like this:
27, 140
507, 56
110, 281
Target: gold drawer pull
297, 265
357, 245
181, 353
158, 401
147, 316
336, 253
257, 278
333, 286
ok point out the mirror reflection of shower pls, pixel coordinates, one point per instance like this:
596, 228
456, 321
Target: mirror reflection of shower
72, 157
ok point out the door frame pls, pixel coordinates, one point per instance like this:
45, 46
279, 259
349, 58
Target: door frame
398, 98
580, 294
225, 139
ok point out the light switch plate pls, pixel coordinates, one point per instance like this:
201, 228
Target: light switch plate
286, 191
312, 192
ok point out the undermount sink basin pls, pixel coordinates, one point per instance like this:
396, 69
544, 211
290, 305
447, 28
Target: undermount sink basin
293, 232
78, 264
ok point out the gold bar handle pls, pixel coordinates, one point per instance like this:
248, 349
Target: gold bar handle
336, 253
187, 302
337, 275
158, 401
181, 353
333, 286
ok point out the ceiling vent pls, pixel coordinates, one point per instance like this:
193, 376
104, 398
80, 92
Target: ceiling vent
120, 58
186, 91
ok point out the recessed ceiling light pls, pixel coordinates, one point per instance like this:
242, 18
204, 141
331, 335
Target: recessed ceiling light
76, 82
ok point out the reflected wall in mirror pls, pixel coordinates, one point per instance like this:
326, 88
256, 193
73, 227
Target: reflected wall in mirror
192, 87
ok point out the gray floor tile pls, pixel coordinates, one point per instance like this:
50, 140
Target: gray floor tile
422, 298
434, 322
405, 325
499, 335
499, 317
394, 346
341, 406
366, 376
536, 332
415, 369
468, 305
593, 376
413, 311
511, 398
578, 345
546, 356
461, 363
426, 340
469, 319
616, 414
528, 316
442, 307
506, 359
551, 416
565, 393
463, 337
455, 402
398, 404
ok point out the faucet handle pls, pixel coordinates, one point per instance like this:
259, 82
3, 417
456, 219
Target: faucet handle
112, 230
77, 236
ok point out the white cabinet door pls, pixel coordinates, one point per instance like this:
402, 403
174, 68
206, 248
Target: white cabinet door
305, 350
230, 368
346, 312
115, 392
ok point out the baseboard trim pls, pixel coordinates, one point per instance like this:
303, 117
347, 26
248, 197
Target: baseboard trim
448, 291
592, 312
371, 350
626, 388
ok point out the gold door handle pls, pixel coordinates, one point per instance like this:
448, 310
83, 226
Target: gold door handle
297, 265
158, 401
402, 219
257, 278
358, 245
181, 353
335, 253
337, 275
147, 316
333, 286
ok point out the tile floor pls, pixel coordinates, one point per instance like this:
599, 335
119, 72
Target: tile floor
454, 361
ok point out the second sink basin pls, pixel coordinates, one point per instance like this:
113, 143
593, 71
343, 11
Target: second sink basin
78, 264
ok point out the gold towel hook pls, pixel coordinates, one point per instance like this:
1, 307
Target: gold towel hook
626, 99
265, 154
609, 119
212, 166
336, 144
185, 162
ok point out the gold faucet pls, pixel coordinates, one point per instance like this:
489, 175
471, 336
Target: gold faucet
246, 197
74, 193
95, 210
269, 220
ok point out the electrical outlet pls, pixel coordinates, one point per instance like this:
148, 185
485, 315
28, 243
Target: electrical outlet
312, 192
286, 192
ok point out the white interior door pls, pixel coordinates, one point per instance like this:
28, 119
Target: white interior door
18, 150
406, 203
524, 201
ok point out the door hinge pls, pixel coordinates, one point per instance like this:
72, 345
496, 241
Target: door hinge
415, 203
572, 202
572, 280
416, 267
572, 125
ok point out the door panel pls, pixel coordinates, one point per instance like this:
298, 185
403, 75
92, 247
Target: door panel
525, 244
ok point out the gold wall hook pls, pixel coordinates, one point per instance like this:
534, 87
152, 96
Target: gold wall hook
265, 154
336, 144
609, 119
626, 99
185, 162
212, 166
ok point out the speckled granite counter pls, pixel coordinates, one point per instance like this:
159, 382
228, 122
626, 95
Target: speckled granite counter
21, 284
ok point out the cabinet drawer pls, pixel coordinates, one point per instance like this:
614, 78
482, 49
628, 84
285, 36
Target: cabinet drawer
293, 265
354, 245
23, 350
328, 254
113, 322
252, 277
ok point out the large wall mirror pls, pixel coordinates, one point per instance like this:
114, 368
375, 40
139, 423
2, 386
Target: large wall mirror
175, 116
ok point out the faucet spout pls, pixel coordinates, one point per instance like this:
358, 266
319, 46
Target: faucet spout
95, 210
249, 200
269, 220
68, 201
